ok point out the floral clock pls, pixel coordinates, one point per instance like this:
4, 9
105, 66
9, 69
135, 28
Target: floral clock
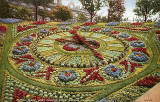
78, 57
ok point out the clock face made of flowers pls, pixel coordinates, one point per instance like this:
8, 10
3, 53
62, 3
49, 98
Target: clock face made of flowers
80, 58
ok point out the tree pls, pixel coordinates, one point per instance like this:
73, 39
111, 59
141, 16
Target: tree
156, 6
62, 12
36, 3
43, 13
116, 10
81, 17
4, 9
144, 8
92, 6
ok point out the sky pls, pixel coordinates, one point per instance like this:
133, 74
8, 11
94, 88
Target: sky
129, 5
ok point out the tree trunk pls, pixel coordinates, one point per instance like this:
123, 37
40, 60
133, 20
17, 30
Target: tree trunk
145, 18
36, 12
91, 18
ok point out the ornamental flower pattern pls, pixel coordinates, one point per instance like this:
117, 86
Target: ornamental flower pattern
106, 30
27, 39
113, 24
113, 71
30, 66
138, 44
67, 75
139, 57
19, 50
124, 35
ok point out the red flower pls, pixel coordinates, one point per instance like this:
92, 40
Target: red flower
33, 35
135, 24
115, 32
3, 29
76, 28
89, 24
25, 27
148, 81
96, 29
40, 22
91, 74
66, 47
158, 32
141, 50
27, 57
73, 32
131, 39
53, 29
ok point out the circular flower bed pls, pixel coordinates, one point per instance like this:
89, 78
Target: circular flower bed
139, 57
19, 50
124, 35
113, 71
31, 66
138, 44
67, 75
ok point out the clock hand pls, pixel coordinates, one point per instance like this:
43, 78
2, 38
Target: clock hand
82, 40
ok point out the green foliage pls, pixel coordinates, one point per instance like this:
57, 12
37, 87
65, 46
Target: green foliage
145, 8
63, 13
81, 17
43, 13
92, 6
116, 10
36, 3
4, 9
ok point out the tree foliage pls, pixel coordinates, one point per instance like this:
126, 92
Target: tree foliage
145, 8
36, 3
92, 6
43, 13
62, 12
116, 10
81, 17
4, 9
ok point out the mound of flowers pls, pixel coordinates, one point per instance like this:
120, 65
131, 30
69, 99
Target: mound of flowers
44, 31
139, 57
19, 50
25, 27
96, 29
138, 44
10, 20
137, 24
106, 29
65, 27
113, 24
124, 35
67, 75
31, 66
149, 81
3, 29
27, 39
142, 28
85, 28
115, 32
113, 71
88, 24
65, 23
39, 22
